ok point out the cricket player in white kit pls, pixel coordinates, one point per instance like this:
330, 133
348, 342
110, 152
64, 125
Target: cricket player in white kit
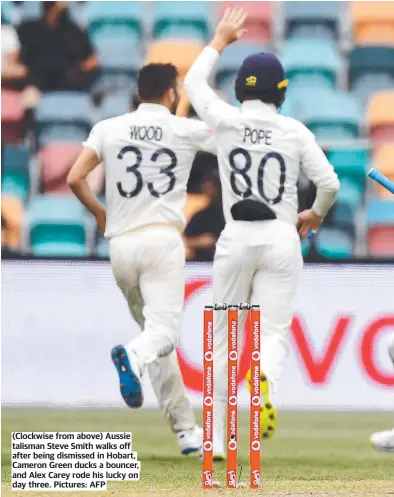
147, 156
258, 255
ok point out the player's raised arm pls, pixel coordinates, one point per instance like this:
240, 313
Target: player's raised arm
321, 173
88, 160
209, 107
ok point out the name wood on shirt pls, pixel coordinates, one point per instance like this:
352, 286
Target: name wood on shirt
259, 136
146, 133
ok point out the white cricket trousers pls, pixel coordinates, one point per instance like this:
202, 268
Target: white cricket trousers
149, 266
257, 262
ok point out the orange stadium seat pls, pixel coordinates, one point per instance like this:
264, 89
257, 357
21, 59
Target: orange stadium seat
383, 160
259, 22
181, 53
12, 116
381, 117
56, 160
373, 22
381, 241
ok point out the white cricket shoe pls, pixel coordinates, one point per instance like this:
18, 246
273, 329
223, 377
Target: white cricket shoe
383, 440
190, 441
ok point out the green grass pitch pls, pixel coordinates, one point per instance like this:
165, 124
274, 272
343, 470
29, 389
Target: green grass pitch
312, 454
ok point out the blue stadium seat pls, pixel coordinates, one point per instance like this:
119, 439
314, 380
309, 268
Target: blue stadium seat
64, 116
380, 212
371, 69
338, 116
57, 226
312, 19
334, 243
120, 61
15, 174
102, 249
115, 105
106, 18
31, 11
195, 16
317, 58
232, 58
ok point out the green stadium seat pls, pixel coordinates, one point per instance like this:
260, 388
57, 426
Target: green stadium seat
350, 193
104, 19
338, 116
15, 174
343, 217
333, 243
193, 15
300, 95
351, 164
371, 69
317, 58
305, 246
57, 226
312, 19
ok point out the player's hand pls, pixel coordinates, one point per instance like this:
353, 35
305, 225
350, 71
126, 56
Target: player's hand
101, 220
230, 28
308, 221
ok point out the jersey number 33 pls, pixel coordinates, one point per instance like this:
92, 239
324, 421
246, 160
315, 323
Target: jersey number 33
168, 171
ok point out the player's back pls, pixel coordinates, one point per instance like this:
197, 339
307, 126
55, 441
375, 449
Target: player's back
260, 154
147, 157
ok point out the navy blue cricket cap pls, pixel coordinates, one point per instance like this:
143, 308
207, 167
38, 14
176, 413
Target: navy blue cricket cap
259, 73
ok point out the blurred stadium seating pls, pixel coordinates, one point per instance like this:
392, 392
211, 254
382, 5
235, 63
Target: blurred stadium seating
339, 58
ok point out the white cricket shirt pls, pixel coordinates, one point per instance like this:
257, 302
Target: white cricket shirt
260, 152
147, 155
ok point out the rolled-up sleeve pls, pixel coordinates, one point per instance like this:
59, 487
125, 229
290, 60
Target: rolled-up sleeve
94, 140
320, 172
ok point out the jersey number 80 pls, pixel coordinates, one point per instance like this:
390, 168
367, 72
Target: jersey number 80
260, 174
138, 176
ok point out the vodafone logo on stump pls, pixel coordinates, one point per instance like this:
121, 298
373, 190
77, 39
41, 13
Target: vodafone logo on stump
327, 347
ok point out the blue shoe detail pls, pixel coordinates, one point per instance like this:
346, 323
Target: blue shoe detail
130, 385
190, 450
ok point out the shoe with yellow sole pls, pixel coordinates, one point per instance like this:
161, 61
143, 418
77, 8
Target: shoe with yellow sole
268, 416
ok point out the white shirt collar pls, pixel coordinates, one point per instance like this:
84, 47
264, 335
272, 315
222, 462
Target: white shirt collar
250, 106
148, 107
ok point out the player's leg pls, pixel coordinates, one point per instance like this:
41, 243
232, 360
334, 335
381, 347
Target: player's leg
167, 382
125, 270
170, 391
274, 289
149, 263
162, 286
232, 283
